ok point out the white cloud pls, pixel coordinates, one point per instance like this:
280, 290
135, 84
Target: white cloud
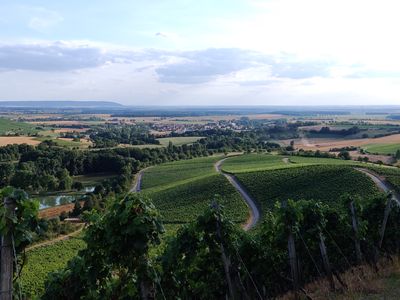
42, 19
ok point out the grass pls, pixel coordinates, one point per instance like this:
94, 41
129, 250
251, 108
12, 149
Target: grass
10, 127
382, 148
262, 162
43, 260
164, 142
90, 180
179, 141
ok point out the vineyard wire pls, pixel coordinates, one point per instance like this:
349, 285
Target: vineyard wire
309, 253
158, 282
247, 271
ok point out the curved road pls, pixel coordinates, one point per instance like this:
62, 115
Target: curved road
381, 183
254, 211
137, 183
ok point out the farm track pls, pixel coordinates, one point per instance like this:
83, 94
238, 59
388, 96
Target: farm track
57, 239
137, 183
380, 183
251, 203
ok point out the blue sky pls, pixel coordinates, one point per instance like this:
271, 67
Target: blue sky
277, 52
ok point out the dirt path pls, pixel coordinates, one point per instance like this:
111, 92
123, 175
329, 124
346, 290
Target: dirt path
380, 183
57, 239
254, 211
137, 183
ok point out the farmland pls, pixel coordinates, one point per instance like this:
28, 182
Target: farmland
321, 182
43, 260
9, 127
260, 162
182, 190
382, 148
178, 141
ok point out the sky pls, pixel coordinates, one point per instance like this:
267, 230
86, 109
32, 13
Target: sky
209, 52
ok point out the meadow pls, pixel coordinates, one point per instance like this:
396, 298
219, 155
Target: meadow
382, 148
10, 127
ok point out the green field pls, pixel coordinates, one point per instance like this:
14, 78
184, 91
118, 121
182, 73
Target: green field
41, 261
260, 162
382, 148
179, 141
319, 182
176, 141
9, 127
173, 172
90, 180
182, 190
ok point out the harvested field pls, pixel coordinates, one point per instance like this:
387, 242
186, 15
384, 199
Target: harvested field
55, 211
8, 140
324, 144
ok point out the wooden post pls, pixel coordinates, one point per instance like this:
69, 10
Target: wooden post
6, 268
325, 260
293, 263
385, 219
225, 259
355, 230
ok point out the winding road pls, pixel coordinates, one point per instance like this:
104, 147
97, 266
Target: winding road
254, 211
380, 183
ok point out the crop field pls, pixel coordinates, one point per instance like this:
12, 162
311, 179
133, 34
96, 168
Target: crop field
182, 190
9, 140
90, 180
324, 144
173, 172
260, 162
382, 148
10, 127
320, 182
43, 260
183, 202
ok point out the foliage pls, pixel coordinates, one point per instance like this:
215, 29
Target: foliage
325, 183
104, 270
40, 262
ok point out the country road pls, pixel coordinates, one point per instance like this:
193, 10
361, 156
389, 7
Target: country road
137, 183
254, 211
380, 183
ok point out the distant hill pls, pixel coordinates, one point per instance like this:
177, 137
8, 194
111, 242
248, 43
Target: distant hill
59, 104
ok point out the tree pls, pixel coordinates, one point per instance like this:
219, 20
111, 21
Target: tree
344, 155
18, 220
116, 263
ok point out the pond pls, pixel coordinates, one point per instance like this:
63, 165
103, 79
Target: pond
51, 200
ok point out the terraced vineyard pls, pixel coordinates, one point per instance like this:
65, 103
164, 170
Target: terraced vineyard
182, 190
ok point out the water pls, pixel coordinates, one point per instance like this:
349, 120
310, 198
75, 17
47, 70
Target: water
61, 199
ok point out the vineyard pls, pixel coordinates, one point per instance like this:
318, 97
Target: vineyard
182, 203
174, 172
182, 190
43, 260
260, 162
321, 182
